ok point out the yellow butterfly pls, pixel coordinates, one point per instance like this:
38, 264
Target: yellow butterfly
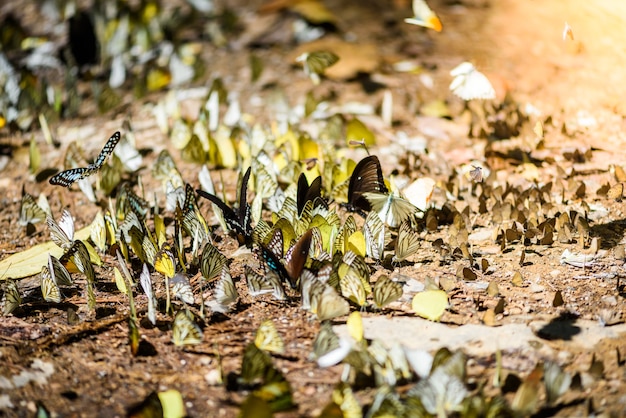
184, 330
268, 339
430, 304
164, 261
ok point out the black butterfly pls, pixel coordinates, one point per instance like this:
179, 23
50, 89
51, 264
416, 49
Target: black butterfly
240, 221
366, 177
68, 177
306, 192
295, 258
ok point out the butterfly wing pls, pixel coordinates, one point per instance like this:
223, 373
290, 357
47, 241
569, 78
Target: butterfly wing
185, 331
296, 257
12, 298
366, 177
62, 232
146, 285
386, 291
470, 84
106, 151
424, 16
407, 243
68, 177
30, 211
308, 192
49, 289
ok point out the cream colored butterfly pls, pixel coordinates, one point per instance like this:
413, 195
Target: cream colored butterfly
470, 84
62, 232
49, 289
184, 330
424, 16
391, 208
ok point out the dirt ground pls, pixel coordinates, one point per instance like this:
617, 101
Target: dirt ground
575, 87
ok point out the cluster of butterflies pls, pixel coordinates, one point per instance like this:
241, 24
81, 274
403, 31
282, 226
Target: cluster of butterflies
305, 246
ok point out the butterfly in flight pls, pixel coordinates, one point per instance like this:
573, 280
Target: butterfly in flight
68, 177
367, 177
238, 221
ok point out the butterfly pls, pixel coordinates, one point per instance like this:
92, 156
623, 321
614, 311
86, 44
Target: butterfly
407, 243
30, 211
225, 293
146, 285
255, 363
49, 289
211, 262
375, 235
259, 284
386, 291
367, 177
59, 273
392, 209
328, 304
68, 177
568, 32
424, 16
239, 222
470, 84
616, 192
193, 222
315, 63
62, 232
556, 381
430, 304
268, 339
12, 298
129, 201
476, 173
325, 342
295, 259
308, 192
352, 288
184, 330
182, 289
164, 261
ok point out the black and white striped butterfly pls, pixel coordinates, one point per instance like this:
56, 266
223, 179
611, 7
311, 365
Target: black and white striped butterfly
238, 221
67, 177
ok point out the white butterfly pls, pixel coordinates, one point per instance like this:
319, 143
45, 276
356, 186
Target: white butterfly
146, 284
470, 84
391, 208
62, 232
